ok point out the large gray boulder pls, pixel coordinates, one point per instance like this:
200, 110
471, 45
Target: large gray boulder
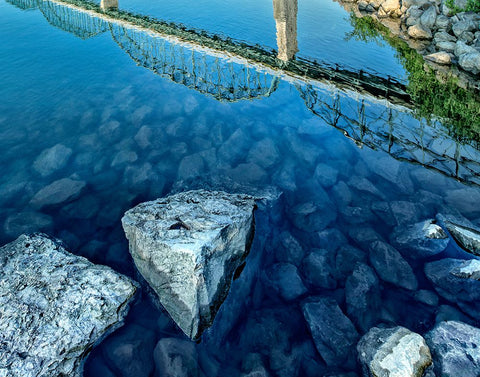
54, 306
187, 247
393, 352
456, 349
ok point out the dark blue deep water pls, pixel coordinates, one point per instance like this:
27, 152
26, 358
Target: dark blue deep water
79, 108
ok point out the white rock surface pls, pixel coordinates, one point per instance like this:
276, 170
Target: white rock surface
54, 306
187, 247
393, 352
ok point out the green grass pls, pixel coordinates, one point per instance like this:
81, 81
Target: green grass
459, 108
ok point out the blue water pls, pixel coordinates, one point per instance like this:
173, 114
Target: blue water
348, 169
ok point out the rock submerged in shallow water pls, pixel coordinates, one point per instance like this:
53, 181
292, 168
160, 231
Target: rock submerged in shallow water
393, 352
61, 191
187, 247
333, 333
456, 349
54, 307
463, 232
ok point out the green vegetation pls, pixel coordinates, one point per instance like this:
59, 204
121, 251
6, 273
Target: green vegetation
444, 99
472, 6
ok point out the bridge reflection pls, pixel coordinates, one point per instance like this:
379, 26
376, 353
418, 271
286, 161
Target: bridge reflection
369, 110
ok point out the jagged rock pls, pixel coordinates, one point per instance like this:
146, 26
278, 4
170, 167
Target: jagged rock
362, 294
460, 27
446, 46
455, 279
443, 22
443, 36
54, 306
440, 57
187, 247
456, 349
461, 48
317, 267
429, 16
391, 7
393, 352
391, 267
470, 62
419, 32
61, 191
333, 333
464, 233
285, 279
423, 239
52, 159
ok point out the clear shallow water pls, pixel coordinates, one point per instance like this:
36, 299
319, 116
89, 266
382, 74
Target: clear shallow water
130, 136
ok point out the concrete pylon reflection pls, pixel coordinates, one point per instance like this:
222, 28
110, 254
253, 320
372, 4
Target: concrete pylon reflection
285, 14
109, 4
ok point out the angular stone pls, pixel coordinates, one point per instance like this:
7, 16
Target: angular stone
464, 200
460, 27
443, 22
326, 175
53, 307
419, 32
187, 247
61, 191
440, 57
464, 233
333, 333
52, 159
456, 349
422, 239
443, 36
470, 62
391, 7
428, 18
446, 46
317, 267
27, 222
264, 153
391, 267
393, 352
362, 294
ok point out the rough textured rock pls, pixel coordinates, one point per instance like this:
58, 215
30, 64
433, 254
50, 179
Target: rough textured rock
175, 358
419, 32
440, 57
456, 349
333, 333
54, 307
187, 247
464, 233
422, 239
391, 267
393, 352
52, 159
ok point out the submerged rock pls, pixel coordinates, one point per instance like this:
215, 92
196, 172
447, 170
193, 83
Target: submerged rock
187, 247
456, 349
54, 306
393, 352
333, 333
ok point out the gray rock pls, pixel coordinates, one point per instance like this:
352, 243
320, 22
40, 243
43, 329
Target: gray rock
61, 191
27, 222
317, 267
289, 249
443, 36
464, 233
54, 307
333, 333
346, 259
461, 48
456, 349
52, 159
175, 358
391, 267
470, 62
443, 22
455, 279
187, 247
440, 57
123, 158
422, 239
446, 46
393, 352
429, 17
285, 279
191, 166
264, 153
404, 212
419, 32
362, 294
460, 27
467, 37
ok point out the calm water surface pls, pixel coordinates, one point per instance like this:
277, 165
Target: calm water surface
77, 102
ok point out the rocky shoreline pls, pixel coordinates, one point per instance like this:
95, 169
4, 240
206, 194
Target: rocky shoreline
448, 39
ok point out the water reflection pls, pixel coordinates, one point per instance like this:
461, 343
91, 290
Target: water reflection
285, 13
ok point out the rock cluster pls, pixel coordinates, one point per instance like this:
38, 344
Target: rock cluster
432, 28
54, 307
187, 247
